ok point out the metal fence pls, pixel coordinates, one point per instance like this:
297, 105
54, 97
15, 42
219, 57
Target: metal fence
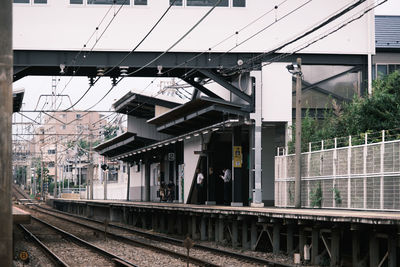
365, 176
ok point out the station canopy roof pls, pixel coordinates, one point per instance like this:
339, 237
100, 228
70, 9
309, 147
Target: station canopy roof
121, 144
140, 105
196, 114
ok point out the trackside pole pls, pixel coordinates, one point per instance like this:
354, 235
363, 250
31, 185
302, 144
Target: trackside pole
6, 63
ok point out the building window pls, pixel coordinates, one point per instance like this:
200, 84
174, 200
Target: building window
108, 2
239, 3
76, 2
140, 2
21, 1
51, 164
63, 127
177, 2
78, 116
51, 151
206, 2
40, 1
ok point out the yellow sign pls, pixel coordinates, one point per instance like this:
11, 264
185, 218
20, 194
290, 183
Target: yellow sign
237, 156
23, 255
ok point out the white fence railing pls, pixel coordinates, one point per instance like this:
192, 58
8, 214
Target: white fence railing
354, 177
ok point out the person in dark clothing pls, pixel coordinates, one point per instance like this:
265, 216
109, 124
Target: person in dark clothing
227, 185
200, 186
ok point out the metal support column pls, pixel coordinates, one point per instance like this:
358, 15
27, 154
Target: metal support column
171, 223
297, 186
237, 199
216, 230
355, 235
128, 170
302, 242
6, 106
257, 117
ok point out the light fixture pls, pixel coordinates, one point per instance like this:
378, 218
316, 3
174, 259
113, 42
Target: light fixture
196, 134
215, 129
187, 137
294, 68
62, 67
159, 68
130, 154
173, 142
205, 132
180, 139
100, 72
123, 70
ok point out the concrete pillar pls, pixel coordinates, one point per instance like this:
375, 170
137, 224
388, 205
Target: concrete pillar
335, 247
253, 235
221, 229
392, 249
154, 225
245, 242
143, 220
179, 224
216, 231
373, 250
235, 233
302, 241
147, 181
276, 238
289, 238
194, 234
162, 219
355, 247
171, 223
315, 245
203, 236
189, 225
210, 229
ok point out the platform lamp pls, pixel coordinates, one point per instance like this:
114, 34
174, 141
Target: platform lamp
295, 69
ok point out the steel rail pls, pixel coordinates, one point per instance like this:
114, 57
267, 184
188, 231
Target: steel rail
48, 251
111, 256
176, 241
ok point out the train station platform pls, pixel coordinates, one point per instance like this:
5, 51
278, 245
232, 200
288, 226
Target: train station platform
327, 215
20, 216
341, 235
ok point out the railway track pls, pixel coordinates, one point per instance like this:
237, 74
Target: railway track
154, 241
66, 249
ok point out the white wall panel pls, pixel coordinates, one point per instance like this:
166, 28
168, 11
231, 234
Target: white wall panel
276, 93
60, 26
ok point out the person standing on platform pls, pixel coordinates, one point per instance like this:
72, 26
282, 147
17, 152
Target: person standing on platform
200, 186
227, 188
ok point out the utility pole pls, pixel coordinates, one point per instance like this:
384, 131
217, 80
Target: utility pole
41, 175
6, 106
55, 172
297, 192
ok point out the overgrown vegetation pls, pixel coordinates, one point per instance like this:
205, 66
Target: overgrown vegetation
380, 111
316, 196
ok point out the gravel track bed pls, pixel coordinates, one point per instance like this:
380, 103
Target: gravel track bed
36, 255
68, 251
198, 253
135, 254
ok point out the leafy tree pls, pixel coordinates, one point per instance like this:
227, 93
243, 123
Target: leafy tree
380, 111
110, 131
